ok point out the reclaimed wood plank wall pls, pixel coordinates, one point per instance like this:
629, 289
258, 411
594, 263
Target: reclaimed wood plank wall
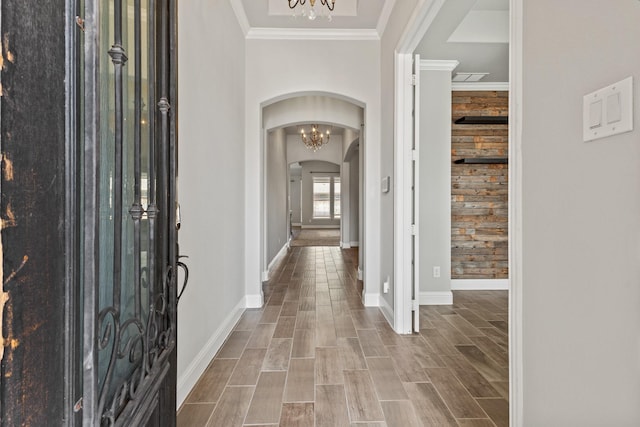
479, 204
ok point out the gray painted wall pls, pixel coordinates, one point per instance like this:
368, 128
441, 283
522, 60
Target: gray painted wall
307, 191
212, 174
295, 181
298, 152
581, 219
400, 15
276, 194
434, 195
354, 190
353, 73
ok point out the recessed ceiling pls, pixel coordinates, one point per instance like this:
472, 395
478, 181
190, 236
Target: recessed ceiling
473, 32
260, 14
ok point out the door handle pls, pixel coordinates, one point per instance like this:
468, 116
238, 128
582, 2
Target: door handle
186, 275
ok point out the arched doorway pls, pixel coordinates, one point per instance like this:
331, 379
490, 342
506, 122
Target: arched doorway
287, 112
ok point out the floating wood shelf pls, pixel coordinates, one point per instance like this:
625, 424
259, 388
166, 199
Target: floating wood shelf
481, 160
482, 120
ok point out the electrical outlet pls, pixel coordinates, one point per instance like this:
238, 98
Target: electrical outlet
436, 271
385, 286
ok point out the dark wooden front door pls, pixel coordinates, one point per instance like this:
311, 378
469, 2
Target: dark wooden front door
88, 232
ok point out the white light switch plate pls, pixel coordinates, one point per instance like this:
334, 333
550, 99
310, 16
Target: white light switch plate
608, 111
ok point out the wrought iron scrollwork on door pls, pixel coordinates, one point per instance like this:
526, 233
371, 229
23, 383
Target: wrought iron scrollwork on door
130, 298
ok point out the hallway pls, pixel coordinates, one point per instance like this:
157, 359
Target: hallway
314, 356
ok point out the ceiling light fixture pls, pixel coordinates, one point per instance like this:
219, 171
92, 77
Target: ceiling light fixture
330, 4
316, 140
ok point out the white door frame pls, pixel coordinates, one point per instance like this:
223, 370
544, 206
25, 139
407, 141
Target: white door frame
516, 402
402, 204
422, 18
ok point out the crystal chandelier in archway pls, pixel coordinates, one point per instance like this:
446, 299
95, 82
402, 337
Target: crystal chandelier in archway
330, 4
316, 139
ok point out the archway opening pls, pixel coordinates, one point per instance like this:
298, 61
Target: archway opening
341, 207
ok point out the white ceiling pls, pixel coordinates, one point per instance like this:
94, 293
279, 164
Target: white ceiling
473, 32
281, 17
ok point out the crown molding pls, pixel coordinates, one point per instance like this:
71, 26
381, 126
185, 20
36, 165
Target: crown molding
385, 14
311, 34
423, 16
438, 65
241, 16
501, 86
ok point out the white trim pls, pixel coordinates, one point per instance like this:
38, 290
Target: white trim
325, 226
438, 65
467, 86
414, 194
371, 300
280, 253
296, 224
312, 34
241, 15
360, 274
415, 30
387, 310
196, 368
345, 245
264, 276
355, 244
436, 298
403, 124
254, 301
479, 284
385, 14
516, 371
418, 25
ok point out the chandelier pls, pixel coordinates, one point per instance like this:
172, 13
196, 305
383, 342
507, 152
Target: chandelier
330, 4
316, 139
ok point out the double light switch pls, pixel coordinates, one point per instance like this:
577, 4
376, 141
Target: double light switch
608, 111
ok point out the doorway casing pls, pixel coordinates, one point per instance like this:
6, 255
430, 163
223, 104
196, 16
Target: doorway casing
422, 18
348, 113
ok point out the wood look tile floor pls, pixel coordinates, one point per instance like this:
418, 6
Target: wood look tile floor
315, 356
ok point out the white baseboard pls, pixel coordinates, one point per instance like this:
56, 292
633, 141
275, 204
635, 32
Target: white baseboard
296, 224
307, 226
281, 252
346, 245
355, 244
371, 300
254, 301
360, 273
479, 284
196, 368
436, 298
387, 310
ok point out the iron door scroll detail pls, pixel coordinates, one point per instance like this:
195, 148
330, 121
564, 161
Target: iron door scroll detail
130, 296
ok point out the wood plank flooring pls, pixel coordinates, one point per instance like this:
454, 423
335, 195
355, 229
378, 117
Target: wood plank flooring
315, 356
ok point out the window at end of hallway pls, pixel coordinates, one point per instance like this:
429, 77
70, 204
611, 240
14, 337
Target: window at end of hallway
336, 197
321, 197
